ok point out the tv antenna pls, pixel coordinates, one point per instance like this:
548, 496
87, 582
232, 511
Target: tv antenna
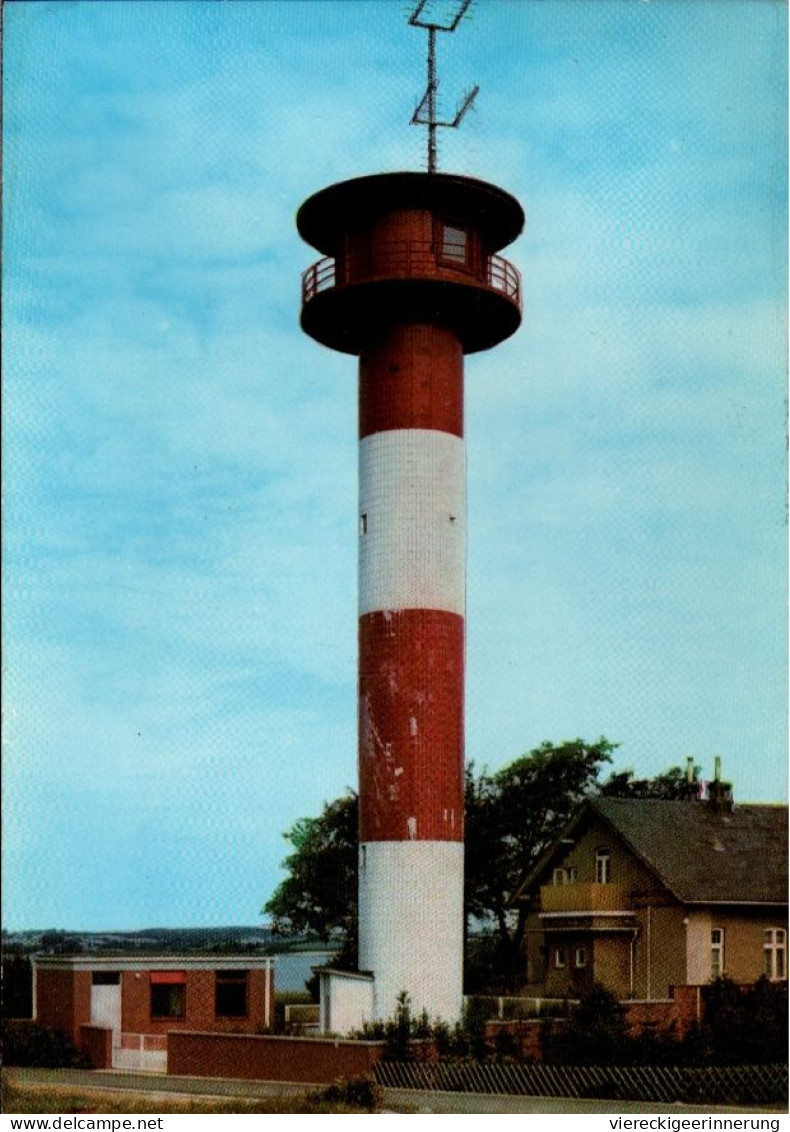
425, 114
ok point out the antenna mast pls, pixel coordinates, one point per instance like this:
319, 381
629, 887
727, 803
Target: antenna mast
425, 114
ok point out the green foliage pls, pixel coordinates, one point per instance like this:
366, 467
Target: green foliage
319, 895
512, 816
25, 1043
354, 1092
671, 785
743, 1026
596, 1033
16, 986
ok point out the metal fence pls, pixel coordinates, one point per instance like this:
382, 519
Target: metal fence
730, 1084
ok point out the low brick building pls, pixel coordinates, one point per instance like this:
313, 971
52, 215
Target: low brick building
141, 1000
644, 895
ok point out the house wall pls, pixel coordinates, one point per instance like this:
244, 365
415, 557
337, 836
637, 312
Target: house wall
63, 1000
698, 929
744, 957
199, 1003
660, 950
612, 962
625, 868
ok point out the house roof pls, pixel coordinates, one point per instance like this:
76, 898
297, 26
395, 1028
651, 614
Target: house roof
701, 855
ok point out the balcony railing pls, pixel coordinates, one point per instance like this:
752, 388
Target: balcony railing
408, 260
583, 898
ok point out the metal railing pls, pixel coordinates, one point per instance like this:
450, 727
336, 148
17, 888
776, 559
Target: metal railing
398, 259
720, 1084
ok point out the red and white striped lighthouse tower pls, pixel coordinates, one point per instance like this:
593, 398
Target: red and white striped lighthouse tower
411, 282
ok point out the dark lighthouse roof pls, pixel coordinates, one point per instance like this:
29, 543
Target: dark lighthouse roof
327, 216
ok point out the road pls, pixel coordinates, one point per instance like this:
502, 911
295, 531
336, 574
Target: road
395, 1100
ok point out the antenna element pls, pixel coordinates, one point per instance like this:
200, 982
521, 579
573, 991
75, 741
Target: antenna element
425, 114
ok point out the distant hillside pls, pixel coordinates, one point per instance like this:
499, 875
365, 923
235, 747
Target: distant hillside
163, 941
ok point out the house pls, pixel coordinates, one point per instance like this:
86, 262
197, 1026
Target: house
644, 895
119, 1010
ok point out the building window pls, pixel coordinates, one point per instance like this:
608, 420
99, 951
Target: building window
580, 957
363, 523
716, 953
106, 978
775, 951
455, 244
231, 994
603, 866
564, 875
168, 995
559, 958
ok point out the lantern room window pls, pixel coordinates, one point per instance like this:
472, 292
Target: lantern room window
455, 245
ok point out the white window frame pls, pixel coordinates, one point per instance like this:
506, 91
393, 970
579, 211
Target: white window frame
603, 866
775, 952
716, 953
455, 244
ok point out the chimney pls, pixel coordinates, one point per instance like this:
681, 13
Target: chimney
719, 793
692, 791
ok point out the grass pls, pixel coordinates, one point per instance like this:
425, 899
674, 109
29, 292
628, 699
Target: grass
24, 1097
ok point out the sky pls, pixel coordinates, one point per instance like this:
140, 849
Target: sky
180, 459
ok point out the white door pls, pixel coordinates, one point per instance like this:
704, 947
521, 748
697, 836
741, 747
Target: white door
106, 1009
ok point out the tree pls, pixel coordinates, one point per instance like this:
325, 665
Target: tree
672, 785
512, 816
319, 895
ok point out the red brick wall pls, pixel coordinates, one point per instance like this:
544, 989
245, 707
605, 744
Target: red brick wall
677, 1014
267, 1058
199, 1015
63, 1000
96, 1043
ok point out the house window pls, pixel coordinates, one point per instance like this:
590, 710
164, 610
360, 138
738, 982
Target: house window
106, 978
775, 951
603, 866
580, 957
231, 994
716, 953
559, 958
168, 994
455, 244
564, 876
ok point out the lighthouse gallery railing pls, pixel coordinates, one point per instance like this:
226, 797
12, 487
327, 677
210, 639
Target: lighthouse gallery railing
408, 260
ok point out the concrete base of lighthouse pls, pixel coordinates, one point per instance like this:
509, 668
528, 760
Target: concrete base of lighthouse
413, 939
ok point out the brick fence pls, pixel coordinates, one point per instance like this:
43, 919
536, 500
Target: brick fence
96, 1044
672, 1016
264, 1057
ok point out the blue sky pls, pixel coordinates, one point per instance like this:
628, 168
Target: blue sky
180, 460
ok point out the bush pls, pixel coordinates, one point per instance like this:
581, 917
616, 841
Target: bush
356, 1092
596, 1033
26, 1043
742, 1026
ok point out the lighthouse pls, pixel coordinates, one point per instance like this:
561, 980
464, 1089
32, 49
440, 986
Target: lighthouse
410, 282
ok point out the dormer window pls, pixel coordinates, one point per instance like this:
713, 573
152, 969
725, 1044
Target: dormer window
603, 866
455, 244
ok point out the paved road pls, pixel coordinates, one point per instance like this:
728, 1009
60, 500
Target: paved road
396, 1100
